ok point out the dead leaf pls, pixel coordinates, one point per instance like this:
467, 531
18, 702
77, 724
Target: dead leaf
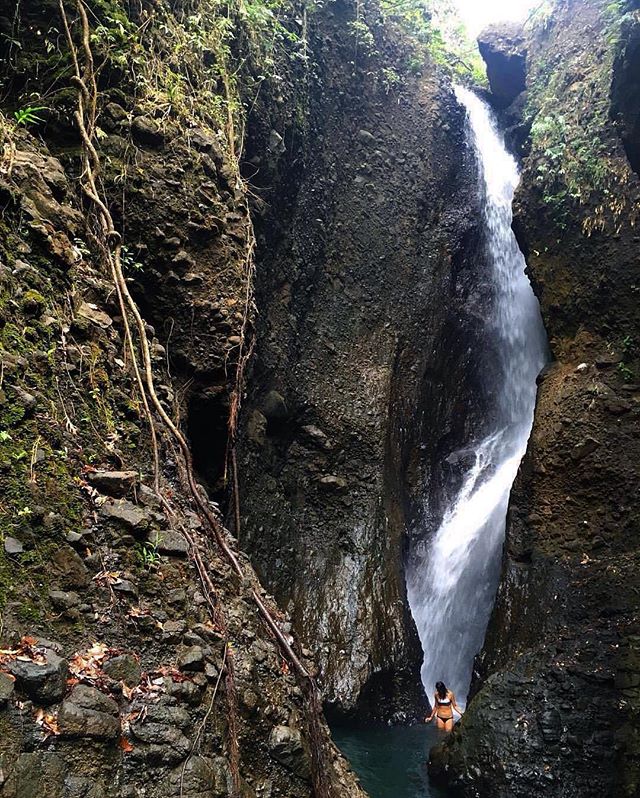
125, 745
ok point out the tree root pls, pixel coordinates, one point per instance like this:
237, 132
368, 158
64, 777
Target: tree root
87, 99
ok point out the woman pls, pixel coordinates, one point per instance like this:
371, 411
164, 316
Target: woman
444, 702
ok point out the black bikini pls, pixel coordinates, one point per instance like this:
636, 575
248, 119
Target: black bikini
445, 702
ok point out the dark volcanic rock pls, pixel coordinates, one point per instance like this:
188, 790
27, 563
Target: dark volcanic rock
6, 687
89, 713
556, 698
503, 48
44, 683
124, 668
285, 745
361, 259
36, 775
114, 483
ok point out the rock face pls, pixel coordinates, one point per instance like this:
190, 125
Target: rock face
556, 706
503, 48
353, 292
125, 670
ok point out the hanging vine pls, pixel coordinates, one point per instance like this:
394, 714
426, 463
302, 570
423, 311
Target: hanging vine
138, 347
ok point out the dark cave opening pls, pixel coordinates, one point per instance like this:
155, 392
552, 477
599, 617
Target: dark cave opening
207, 419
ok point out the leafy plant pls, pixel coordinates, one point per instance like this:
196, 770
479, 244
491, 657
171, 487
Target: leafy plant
626, 373
391, 79
129, 262
628, 345
148, 555
28, 116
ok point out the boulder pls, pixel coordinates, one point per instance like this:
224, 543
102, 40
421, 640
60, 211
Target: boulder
285, 746
192, 659
45, 683
13, 545
89, 713
147, 131
68, 569
113, 483
170, 542
160, 735
331, 482
316, 436
6, 687
504, 51
36, 775
130, 515
96, 316
201, 778
123, 668
274, 407
62, 601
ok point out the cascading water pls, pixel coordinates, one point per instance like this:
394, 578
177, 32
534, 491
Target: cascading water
452, 578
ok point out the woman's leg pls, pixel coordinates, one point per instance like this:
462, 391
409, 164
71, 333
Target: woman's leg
448, 725
440, 724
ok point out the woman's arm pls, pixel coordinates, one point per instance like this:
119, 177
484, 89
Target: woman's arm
454, 705
433, 712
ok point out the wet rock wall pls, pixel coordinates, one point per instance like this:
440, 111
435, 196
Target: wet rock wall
556, 702
355, 285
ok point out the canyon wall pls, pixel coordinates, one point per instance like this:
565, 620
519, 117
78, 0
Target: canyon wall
359, 276
135, 656
555, 706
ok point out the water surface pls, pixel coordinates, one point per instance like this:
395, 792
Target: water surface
391, 762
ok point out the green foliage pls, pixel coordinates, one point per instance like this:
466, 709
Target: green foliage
147, 554
629, 346
576, 163
626, 373
364, 39
129, 262
437, 32
28, 116
391, 79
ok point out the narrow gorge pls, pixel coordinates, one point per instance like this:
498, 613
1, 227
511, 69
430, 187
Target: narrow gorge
319, 357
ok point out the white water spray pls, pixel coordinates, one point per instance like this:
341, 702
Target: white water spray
452, 582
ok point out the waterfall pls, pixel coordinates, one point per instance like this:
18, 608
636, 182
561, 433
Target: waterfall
452, 586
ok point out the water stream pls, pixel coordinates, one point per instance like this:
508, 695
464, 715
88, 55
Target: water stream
453, 579
453, 572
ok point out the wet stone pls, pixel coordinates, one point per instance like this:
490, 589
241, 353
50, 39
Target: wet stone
550, 723
192, 659
331, 482
130, 515
62, 601
124, 668
36, 775
171, 542
274, 406
147, 131
6, 687
285, 746
187, 692
113, 483
202, 778
89, 713
95, 315
44, 683
174, 629
13, 546
68, 569
161, 735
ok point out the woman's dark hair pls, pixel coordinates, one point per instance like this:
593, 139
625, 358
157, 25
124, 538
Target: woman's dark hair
441, 689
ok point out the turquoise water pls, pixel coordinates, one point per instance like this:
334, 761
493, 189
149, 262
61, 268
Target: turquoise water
391, 762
